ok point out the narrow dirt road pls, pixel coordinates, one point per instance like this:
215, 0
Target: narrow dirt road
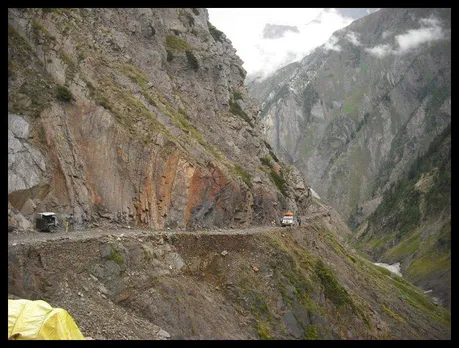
40, 237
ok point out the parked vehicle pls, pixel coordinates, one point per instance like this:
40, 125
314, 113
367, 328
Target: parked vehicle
46, 222
287, 220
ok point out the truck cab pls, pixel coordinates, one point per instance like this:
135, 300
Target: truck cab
46, 222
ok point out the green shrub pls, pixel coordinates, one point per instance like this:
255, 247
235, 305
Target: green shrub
237, 95
190, 19
216, 34
48, 10
267, 145
242, 72
170, 56
273, 156
115, 256
192, 60
279, 182
266, 161
263, 330
245, 175
64, 94
195, 11
311, 333
236, 110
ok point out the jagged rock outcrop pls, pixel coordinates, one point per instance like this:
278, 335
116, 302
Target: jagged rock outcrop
139, 113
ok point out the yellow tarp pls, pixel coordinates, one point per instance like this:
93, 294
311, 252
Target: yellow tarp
37, 320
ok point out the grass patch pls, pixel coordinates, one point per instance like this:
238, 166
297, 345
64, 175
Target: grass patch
311, 333
39, 32
175, 43
136, 76
181, 120
126, 108
423, 267
244, 175
279, 181
116, 257
417, 299
70, 71
263, 330
26, 65
405, 247
380, 241
393, 315
332, 288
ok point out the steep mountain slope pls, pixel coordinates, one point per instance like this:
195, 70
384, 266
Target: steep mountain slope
355, 113
417, 211
257, 283
137, 115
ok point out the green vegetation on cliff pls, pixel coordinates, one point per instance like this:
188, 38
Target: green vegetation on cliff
417, 211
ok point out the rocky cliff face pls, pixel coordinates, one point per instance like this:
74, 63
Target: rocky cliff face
138, 115
355, 113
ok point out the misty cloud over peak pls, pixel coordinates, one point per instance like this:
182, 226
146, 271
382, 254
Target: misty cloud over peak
430, 30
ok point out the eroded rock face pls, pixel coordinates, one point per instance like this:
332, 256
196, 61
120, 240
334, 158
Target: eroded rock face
25, 162
160, 131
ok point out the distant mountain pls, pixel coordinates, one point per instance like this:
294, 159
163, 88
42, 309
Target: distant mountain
355, 13
282, 44
357, 112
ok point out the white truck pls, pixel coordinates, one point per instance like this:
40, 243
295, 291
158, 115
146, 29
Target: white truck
287, 220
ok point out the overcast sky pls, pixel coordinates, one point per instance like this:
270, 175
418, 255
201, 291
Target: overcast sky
244, 27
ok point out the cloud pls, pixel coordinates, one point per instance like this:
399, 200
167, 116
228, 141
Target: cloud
430, 22
380, 51
430, 30
415, 37
386, 33
331, 44
244, 27
352, 37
